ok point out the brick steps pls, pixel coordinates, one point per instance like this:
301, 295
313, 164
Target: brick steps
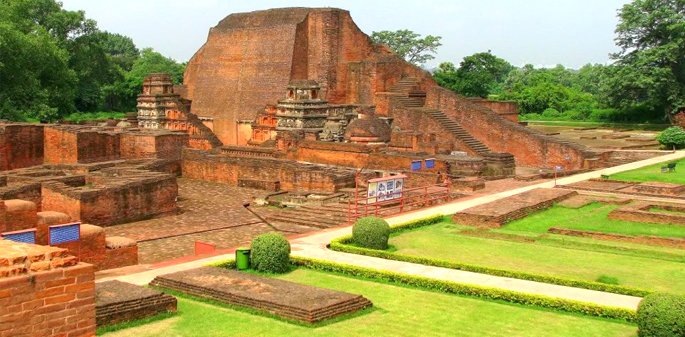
319, 222
410, 85
452, 126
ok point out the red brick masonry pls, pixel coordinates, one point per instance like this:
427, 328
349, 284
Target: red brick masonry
44, 293
500, 212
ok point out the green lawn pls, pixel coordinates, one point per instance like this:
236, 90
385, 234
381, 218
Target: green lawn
653, 173
443, 241
398, 311
593, 217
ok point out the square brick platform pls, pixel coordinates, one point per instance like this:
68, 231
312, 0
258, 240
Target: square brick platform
117, 302
278, 297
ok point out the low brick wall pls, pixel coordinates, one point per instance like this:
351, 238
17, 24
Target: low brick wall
285, 299
640, 212
291, 175
500, 212
44, 292
118, 302
648, 240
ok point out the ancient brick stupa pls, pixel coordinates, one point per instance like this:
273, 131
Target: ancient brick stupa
328, 69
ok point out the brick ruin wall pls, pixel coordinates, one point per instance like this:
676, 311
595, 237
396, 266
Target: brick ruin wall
21, 145
106, 200
292, 176
641, 212
44, 292
249, 58
497, 213
645, 240
530, 148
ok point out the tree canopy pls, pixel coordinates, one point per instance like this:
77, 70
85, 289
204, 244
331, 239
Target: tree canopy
409, 45
478, 75
650, 68
54, 62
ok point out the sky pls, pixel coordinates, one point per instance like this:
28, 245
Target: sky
539, 32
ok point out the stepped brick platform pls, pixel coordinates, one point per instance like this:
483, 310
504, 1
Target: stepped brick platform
641, 239
651, 189
642, 212
281, 298
117, 302
500, 212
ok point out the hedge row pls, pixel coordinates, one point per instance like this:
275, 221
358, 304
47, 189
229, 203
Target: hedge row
469, 290
342, 244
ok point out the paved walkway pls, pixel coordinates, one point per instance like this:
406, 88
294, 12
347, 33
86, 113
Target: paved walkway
314, 246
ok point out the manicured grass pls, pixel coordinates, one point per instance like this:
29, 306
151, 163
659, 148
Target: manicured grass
636, 126
93, 116
593, 217
653, 173
398, 311
443, 242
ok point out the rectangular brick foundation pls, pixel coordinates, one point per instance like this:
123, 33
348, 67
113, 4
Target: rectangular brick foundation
118, 302
500, 212
281, 298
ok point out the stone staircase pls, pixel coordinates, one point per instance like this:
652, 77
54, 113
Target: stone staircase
312, 216
409, 96
453, 127
201, 130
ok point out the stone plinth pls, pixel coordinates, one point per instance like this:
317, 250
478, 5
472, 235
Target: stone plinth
281, 298
500, 212
118, 302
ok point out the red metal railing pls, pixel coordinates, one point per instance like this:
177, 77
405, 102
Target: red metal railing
361, 205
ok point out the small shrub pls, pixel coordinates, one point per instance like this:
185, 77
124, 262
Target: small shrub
270, 253
371, 232
607, 279
673, 137
661, 315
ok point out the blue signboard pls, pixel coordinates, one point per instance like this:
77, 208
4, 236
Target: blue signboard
430, 163
415, 165
65, 233
27, 236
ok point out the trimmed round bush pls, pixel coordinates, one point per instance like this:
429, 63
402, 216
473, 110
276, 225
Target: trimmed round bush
673, 137
661, 315
371, 232
270, 253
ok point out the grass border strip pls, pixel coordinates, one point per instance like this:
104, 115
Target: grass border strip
341, 244
571, 306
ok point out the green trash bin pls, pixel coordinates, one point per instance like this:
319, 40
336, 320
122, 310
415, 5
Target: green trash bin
242, 258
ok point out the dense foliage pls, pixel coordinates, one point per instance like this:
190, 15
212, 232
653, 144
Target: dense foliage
478, 75
645, 82
409, 45
661, 315
270, 253
672, 138
54, 62
371, 232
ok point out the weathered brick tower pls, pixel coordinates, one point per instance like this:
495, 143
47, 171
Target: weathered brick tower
249, 58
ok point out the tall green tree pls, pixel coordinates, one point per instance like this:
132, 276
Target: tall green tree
478, 75
37, 81
409, 45
650, 67
148, 62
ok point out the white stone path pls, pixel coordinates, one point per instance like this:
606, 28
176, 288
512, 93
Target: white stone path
313, 246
